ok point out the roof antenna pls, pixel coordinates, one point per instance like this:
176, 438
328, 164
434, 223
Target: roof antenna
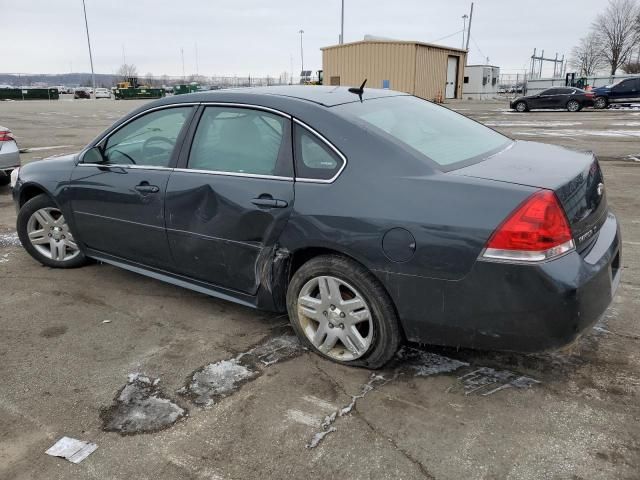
358, 91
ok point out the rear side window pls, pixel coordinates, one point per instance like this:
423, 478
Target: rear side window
437, 133
241, 140
315, 160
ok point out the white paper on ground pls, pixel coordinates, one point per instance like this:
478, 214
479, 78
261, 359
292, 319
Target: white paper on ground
73, 450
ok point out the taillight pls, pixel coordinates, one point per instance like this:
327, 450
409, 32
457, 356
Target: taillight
6, 136
589, 95
537, 230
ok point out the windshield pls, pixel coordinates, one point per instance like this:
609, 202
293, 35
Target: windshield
439, 134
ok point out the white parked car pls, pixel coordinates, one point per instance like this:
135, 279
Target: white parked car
103, 93
9, 155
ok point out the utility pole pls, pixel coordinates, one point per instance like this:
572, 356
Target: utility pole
301, 32
469, 28
464, 28
182, 55
342, 24
197, 68
86, 25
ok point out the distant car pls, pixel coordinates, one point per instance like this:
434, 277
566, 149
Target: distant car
371, 216
573, 99
61, 89
103, 93
81, 93
9, 155
627, 90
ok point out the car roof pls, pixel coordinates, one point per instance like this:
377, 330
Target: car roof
322, 95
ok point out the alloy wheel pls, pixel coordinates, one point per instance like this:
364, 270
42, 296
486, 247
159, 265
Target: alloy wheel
335, 318
573, 106
521, 107
49, 234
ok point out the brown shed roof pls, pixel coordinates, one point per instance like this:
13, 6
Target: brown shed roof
402, 42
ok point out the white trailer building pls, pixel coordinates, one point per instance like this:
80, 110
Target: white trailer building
480, 82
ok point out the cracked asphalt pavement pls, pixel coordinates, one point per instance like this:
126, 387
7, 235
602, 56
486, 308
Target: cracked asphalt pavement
433, 413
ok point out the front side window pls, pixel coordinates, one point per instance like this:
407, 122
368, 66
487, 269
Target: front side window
148, 140
241, 140
314, 159
437, 133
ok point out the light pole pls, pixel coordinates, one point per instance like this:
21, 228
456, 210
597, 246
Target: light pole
86, 25
301, 32
342, 24
464, 27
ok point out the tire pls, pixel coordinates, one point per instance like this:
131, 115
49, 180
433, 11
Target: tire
364, 305
600, 103
34, 217
521, 107
573, 106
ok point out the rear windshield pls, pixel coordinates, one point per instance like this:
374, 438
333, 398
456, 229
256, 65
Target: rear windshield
442, 136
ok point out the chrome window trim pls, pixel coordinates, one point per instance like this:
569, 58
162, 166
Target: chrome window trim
127, 166
233, 174
328, 144
246, 105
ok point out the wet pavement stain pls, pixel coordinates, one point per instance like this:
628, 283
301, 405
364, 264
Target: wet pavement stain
487, 381
55, 331
141, 407
215, 381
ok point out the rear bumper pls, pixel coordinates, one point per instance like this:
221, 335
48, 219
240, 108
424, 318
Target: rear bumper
505, 306
9, 156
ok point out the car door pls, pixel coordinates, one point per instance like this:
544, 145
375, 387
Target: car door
232, 195
117, 190
627, 90
550, 98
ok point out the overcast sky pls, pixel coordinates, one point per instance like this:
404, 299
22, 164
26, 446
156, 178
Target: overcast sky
260, 37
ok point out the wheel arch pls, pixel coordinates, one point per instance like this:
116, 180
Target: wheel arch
31, 190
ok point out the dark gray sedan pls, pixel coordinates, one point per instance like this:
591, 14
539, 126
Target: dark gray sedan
371, 217
570, 98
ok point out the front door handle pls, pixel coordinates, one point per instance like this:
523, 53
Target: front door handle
269, 202
144, 187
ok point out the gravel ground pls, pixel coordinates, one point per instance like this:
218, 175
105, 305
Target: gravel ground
91, 353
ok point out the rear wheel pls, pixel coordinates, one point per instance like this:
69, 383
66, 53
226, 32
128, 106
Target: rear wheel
573, 106
521, 107
341, 311
44, 233
600, 103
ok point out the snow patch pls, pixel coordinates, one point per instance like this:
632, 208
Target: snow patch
9, 239
215, 381
140, 407
531, 124
425, 364
580, 133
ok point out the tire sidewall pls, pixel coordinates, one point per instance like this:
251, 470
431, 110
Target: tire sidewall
385, 332
25, 213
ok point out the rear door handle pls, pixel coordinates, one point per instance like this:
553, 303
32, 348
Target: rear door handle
269, 202
144, 187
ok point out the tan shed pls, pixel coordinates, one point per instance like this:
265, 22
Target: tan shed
422, 69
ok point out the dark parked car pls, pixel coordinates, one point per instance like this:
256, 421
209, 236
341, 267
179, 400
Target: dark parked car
81, 93
624, 91
573, 99
370, 218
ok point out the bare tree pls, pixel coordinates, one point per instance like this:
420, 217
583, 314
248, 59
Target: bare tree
586, 57
127, 70
617, 32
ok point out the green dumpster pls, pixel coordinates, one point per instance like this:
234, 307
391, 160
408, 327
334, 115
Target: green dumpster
29, 94
185, 88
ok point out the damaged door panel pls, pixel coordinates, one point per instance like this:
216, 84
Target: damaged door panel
226, 208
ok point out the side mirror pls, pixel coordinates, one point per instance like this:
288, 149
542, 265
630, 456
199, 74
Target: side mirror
93, 155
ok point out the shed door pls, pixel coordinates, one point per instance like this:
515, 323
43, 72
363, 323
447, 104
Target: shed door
452, 77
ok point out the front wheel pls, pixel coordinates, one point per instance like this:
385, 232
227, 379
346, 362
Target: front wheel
44, 233
600, 103
340, 310
573, 106
521, 107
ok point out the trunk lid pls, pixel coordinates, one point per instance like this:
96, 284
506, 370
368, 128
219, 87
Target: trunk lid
574, 176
